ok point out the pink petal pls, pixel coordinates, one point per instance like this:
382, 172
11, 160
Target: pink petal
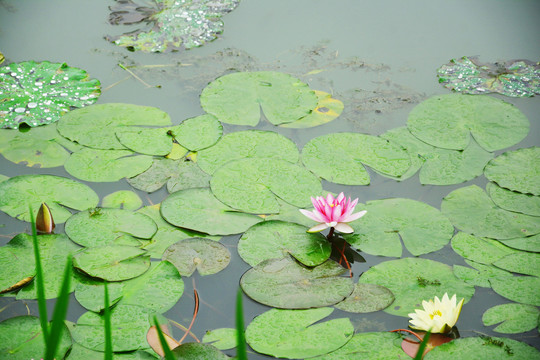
336, 213
340, 197
317, 228
313, 215
344, 228
329, 199
355, 216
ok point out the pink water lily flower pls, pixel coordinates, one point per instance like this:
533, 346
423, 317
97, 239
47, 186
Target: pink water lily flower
333, 213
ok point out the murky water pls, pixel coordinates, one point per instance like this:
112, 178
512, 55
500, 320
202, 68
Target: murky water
381, 56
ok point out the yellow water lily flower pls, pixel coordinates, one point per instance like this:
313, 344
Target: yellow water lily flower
439, 316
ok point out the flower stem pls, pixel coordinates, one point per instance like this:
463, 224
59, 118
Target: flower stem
330, 234
410, 332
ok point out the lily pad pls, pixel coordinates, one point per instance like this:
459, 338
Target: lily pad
19, 251
204, 255
521, 289
520, 262
90, 292
20, 192
222, 339
439, 166
283, 283
95, 126
247, 144
530, 243
422, 228
514, 318
479, 274
171, 24
449, 121
367, 298
238, 98
514, 201
37, 93
471, 210
481, 250
253, 185
112, 262
122, 199
477, 348
518, 78
327, 110
340, 157
98, 227
516, 170
198, 351
198, 133
197, 209
293, 333
277, 239
21, 338
368, 345
106, 165
412, 280
177, 174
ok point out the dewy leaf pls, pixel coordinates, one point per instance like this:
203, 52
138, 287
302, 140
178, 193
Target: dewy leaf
17, 262
520, 262
368, 345
40, 93
481, 275
412, 280
340, 157
171, 24
106, 165
471, 210
222, 338
95, 126
112, 262
197, 209
247, 144
422, 228
198, 351
517, 170
485, 251
514, 318
521, 289
448, 121
198, 133
366, 298
483, 348
238, 98
514, 201
277, 239
327, 110
122, 199
89, 293
98, 227
253, 185
293, 333
468, 75
20, 192
204, 255
283, 283
440, 166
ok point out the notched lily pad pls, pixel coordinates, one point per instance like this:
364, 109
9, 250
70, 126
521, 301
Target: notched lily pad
222, 338
204, 255
327, 110
513, 318
122, 199
19, 251
367, 298
483, 348
38, 93
514, 201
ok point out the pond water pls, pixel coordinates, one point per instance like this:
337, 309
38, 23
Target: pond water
380, 58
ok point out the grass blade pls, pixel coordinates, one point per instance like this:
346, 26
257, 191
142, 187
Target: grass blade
166, 349
40, 288
423, 344
59, 314
241, 348
108, 331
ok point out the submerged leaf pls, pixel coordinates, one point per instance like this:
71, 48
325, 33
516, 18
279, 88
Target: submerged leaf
367, 298
204, 255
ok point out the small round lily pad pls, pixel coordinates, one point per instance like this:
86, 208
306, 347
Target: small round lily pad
366, 298
204, 255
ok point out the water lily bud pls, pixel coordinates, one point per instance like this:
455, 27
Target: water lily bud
44, 220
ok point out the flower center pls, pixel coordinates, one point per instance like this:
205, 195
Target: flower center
435, 313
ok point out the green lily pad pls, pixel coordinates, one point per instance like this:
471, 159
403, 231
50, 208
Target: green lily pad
253, 185
520, 262
283, 283
477, 348
197, 209
367, 298
516, 170
222, 339
514, 201
448, 121
112, 262
484, 251
204, 255
90, 292
471, 210
36, 93
277, 239
21, 338
479, 274
293, 333
340, 157
412, 280
247, 144
198, 351
514, 318
177, 174
327, 110
3, 178
20, 192
518, 78
19, 251
440, 166
238, 98
147, 141
422, 228
122, 199
198, 133
291, 213
106, 165
95, 126
530, 243
98, 227
171, 25
368, 345
521, 289
129, 324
